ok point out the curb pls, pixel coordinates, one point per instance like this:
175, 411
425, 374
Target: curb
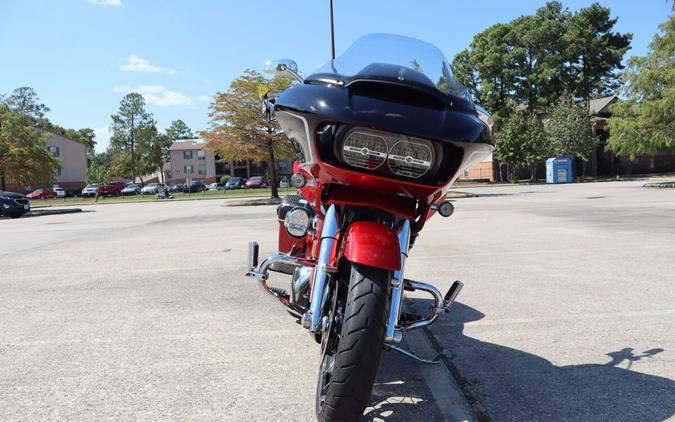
225, 198
448, 387
39, 213
252, 202
659, 185
458, 195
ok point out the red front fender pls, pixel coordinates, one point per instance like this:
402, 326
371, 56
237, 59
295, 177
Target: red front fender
372, 244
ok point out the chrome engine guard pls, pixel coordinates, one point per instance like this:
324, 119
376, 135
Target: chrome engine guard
311, 318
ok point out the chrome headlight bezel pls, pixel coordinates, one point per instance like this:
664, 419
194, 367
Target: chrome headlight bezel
404, 163
297, 222
426, 158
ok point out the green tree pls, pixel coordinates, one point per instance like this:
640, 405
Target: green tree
645, 122
521, 142
158, 152
24, 158
569, 130
131, 130
534, 59
487, 68
98, 170
25, 101
238, 128
536, 46
179, 130
593, 52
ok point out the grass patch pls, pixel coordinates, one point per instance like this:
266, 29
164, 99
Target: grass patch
179, 196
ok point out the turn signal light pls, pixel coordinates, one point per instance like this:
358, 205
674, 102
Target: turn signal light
445, 209
298, 180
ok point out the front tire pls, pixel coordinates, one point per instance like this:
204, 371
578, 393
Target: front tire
348, 371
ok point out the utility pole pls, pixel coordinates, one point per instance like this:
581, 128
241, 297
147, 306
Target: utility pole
332, 32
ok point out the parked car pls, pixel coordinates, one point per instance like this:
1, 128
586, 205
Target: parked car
256, 182
60, 192
235, 183
42, 194
90, 190
195, 187
131, 189
215, 186
178, 187
283, 183
150, 188
111, 188
13, 205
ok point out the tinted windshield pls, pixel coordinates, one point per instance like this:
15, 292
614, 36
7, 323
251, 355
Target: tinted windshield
235, 179
395, 58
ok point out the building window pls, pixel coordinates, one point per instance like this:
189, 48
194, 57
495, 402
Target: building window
202, 169
188, 169
54, 151
187, 155
201, 155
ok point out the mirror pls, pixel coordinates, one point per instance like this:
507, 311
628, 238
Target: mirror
287, 66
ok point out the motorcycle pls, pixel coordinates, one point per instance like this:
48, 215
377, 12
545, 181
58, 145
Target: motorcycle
380, 133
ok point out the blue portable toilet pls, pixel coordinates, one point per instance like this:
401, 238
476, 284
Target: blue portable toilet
559, 170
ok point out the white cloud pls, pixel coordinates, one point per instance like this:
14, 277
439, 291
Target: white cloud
204, 98
102, 138
158, 95
106, 2
138, 64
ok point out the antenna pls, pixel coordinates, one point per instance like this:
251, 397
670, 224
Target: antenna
332, 32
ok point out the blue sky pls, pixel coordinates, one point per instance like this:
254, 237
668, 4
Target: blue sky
82, 56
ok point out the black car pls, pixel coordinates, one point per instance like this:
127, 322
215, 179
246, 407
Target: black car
179, 187
13, 205
195, 187
235, 183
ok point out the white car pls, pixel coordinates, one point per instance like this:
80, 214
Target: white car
283, 183
90, 190
60, 192
150, 188
214, 186
131, 189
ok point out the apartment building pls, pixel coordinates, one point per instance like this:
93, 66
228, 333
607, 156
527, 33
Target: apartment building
189, 160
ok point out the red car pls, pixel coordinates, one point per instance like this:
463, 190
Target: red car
111, 188
42, 194
256, 182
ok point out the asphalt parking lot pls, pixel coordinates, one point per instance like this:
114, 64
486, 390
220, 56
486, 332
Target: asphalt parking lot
141, 311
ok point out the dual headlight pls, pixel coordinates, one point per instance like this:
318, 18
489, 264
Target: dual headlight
405, 156
298, 221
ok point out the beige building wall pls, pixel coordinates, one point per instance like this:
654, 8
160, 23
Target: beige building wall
73, 156
180, 158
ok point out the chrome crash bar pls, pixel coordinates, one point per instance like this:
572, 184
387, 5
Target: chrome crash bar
311, 318
394, 331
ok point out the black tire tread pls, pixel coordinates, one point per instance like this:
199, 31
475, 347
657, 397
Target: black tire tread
360, 346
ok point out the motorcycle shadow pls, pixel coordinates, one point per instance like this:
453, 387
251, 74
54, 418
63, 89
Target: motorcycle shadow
513, 385
400, 392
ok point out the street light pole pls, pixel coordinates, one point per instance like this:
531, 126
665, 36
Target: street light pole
332, 32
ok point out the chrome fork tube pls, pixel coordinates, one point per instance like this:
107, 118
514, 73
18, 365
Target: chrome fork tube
392, 335
312, 317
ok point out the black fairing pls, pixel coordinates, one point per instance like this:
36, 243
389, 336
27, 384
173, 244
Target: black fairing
387, 106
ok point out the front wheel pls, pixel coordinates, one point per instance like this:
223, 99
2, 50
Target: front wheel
351, 357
